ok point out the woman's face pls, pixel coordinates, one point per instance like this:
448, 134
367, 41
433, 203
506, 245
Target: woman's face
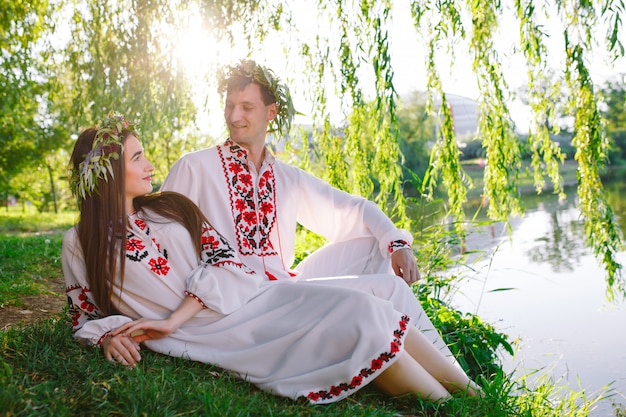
138, 170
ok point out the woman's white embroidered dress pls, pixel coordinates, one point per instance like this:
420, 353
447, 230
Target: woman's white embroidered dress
295, 340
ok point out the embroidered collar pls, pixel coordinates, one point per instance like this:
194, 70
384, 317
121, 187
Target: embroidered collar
252, 199
241, 154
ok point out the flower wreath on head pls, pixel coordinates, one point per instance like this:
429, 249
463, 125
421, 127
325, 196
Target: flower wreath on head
266, 77
97, 162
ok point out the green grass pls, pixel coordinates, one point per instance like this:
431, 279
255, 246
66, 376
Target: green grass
30, 249
29, 263
26, 219
44, 372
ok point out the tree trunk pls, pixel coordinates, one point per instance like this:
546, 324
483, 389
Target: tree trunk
52, 188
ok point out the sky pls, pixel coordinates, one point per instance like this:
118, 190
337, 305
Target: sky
407, 57
410, 74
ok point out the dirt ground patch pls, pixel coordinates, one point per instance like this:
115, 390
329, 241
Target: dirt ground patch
35, 307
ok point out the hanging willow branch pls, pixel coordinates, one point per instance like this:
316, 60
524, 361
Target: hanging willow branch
546, 154
445, 154
495, 127
387, 149
602, 231
117, 55
443, 25
354, 159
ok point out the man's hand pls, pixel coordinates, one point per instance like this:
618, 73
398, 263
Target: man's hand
404, 265
122, 349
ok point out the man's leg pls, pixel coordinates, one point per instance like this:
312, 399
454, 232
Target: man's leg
358, 264
392, 288
354, 257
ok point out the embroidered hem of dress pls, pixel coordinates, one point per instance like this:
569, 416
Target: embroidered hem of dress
366, 375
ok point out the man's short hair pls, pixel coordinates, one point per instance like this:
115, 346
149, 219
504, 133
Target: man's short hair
238, 82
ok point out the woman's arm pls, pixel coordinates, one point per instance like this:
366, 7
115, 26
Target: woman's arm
148, 329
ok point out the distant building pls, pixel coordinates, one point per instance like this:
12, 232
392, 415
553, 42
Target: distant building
464, 113
465, 116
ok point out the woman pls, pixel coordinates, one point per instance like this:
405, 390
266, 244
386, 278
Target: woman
149, 269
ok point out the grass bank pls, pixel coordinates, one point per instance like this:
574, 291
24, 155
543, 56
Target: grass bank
44, 372
30, 250
525, 182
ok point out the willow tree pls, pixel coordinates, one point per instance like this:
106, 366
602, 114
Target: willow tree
122, 54
25, 136
349, 54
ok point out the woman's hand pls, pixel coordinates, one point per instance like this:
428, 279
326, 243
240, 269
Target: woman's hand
149, 329
121, 348
146, 329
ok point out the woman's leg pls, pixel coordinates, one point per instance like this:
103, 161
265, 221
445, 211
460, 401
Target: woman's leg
452, 377
391, 288
405, 375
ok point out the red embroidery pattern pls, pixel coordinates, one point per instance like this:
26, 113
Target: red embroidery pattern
375, 365
195, 297
80, 304
209, 242
140, 224
134, 245
104, 336
136, 250
398, 244
253, 208
159, 266
217, 251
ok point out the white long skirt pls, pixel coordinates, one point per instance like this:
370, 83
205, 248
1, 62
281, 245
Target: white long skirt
358, 264
297, 340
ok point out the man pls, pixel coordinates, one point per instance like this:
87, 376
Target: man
256, 201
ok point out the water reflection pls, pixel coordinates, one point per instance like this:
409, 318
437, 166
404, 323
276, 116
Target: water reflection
561, 247
556, 302
561, 242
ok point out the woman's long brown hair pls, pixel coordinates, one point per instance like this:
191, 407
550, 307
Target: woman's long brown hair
178, 208
102, 223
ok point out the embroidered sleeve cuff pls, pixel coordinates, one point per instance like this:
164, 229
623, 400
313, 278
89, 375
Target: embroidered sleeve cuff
398, 244
394, 240
104, 336
195, 297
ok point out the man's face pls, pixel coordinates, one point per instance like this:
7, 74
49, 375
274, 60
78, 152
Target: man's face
247, 116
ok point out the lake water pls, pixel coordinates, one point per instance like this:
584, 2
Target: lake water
556, 302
